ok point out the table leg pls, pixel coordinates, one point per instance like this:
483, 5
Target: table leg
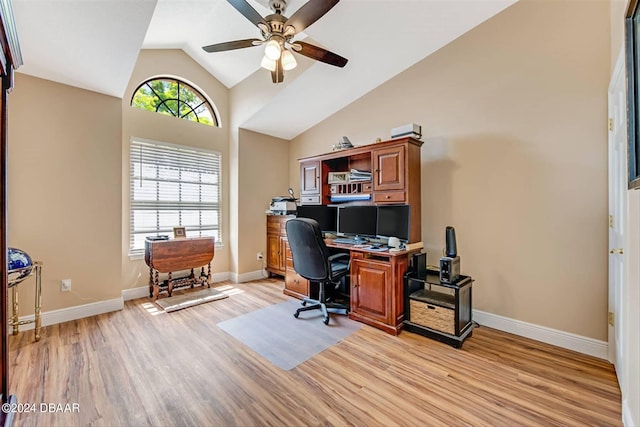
151, 282
38, 314
209, 275
169, 284
14, 311
156, 286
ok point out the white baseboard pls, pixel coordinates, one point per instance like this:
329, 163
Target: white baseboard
627, 416
143, 291
247, 277
73, 313
562, 339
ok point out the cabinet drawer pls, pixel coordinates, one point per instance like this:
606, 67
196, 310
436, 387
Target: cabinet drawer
432, 316
288, 262
389, 197
274, 222
310, 200
296, 283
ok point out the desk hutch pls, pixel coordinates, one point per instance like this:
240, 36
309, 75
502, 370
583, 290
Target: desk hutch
376, 279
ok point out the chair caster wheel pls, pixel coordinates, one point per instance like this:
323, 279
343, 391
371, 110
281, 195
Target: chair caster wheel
304, 303
325, 321
296, 314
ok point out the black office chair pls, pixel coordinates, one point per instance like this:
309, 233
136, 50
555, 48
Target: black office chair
312, 260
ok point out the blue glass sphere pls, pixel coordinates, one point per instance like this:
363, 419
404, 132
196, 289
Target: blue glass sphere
20, 266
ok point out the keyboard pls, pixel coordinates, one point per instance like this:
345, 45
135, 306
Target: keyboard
347, 241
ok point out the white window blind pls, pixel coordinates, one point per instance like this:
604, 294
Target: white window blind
173, 186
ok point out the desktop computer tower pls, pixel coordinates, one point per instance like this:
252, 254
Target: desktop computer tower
419, 265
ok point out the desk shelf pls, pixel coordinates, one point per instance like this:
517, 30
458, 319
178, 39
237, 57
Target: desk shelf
437, 310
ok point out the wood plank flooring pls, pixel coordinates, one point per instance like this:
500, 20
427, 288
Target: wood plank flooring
141, 366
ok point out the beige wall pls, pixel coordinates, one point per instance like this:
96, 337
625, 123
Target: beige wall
618, 9
158, 127
259, 169
259, 180
514, 158
64, 190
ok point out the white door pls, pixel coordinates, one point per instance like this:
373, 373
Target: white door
617, 211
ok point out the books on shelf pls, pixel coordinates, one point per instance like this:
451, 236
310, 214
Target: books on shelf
350, 197
359, 175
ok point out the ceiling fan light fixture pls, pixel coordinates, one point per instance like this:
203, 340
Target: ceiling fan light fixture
268, 63
272, 50
288, 61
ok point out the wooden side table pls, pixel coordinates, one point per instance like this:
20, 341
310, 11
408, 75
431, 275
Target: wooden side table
14, 321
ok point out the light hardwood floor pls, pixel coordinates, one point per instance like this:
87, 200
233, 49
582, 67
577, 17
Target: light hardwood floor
139, 367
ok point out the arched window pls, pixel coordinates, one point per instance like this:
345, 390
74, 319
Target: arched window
176, 98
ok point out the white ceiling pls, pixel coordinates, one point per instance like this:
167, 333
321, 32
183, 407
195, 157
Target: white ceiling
94, 44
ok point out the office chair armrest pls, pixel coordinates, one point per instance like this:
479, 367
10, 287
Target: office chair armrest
338, 256
335, 257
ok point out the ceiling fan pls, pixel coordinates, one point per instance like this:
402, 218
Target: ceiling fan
277, 34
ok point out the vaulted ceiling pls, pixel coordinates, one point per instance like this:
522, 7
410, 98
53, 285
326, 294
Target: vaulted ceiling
94, 44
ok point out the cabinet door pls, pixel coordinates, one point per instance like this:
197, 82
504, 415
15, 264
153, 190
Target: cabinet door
389, 169
273, 252
283, 250
310, 178
369, 289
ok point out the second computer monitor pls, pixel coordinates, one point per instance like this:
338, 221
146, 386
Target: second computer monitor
394, 221
357, 220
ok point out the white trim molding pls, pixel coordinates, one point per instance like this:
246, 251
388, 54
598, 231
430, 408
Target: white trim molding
247, 277
567, 340
74, 313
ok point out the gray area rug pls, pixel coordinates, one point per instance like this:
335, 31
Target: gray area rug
188, 299
285, 341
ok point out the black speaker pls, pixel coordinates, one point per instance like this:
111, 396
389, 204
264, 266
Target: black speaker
419, 265
450, 237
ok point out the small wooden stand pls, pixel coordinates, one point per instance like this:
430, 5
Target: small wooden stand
438, 310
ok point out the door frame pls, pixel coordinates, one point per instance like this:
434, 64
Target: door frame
617, 199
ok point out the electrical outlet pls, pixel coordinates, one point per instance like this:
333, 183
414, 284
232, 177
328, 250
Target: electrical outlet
259, 256
65, 285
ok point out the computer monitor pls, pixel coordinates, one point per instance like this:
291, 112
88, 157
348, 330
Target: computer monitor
325, 215
357, 220
394, 221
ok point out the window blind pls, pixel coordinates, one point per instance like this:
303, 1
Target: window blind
173, 186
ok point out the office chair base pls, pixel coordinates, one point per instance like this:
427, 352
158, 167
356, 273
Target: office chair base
323, 306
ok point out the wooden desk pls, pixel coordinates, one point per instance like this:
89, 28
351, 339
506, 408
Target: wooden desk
167, 256
377, 286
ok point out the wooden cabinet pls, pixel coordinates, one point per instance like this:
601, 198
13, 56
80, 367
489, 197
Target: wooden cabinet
395, 177
389, 169
369, 289
310, 174
279, 260
276, 239
377, 289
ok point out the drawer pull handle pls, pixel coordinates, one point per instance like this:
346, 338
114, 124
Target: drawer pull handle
430, 307
387, 196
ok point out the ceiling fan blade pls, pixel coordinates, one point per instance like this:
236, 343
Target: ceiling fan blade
249, 12
277, 75
309, 13
319, 54
236, 44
